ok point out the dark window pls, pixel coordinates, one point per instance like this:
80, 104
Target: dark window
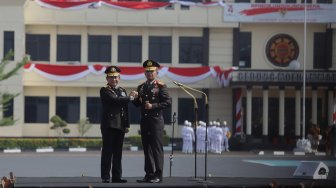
68, 47
307, 1
99, 48
93, 109
8, 108
186, 110
275, 1
320, 58
245, 49
290, 1
260, 1
129, 49
191, 50
68, 108
38, 47
324, 1
8, 42
36, 110
160, 49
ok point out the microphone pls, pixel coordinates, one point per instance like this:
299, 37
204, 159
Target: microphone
178, 84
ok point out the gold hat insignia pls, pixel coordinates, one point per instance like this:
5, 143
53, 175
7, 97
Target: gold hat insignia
149, 63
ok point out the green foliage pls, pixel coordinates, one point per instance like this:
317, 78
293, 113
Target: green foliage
57, 143
5, 74
83, 126
136, 140
59, 125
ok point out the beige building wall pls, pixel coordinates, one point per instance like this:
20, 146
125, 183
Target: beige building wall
26, 17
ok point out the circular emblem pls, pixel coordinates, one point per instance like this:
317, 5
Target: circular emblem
281, 49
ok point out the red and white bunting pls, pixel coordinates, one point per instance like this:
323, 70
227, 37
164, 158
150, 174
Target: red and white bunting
130, 5
185, 75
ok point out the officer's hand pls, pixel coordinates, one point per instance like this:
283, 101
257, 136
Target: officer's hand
148, 105
126, 130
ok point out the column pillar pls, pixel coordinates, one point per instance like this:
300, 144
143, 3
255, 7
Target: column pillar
248, 114
298, 113
281, 114
330, 106
314, 106
265, 115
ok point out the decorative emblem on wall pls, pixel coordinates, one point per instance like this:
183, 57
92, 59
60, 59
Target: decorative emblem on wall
281, 49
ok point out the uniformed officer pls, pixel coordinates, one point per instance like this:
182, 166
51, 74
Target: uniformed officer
114, 124
153, 98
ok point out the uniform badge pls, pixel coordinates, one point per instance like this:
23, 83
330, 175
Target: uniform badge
123, 94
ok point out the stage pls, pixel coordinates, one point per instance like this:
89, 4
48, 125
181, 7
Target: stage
176, 182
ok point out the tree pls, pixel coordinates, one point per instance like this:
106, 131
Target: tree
6, 97
83, 126
59, 125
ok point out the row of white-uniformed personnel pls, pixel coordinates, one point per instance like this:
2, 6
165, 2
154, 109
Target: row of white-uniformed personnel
218, 137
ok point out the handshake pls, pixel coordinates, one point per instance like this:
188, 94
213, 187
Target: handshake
133, 94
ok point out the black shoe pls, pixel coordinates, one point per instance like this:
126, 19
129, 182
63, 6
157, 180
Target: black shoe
144, 180
155, 180
105, 181
119, 180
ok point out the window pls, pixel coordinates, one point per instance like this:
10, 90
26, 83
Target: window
260, 1
160, 49
245, 49
36, 110
290, 1
93, 109
307, 1
7, 107
129, 49
99, 48
324, 1
275, 1
8, 42
68, 47
38, 47
320, 60
186, 110
68, 108
191, 50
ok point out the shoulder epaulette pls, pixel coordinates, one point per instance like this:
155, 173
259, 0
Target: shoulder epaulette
160, 83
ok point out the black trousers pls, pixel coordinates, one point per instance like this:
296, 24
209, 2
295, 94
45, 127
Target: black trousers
111, 153
152, 142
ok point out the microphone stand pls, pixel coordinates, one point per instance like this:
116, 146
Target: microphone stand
171, 157
195, 125
206, 131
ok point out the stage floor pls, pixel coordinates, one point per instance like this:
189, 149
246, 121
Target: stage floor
183, 182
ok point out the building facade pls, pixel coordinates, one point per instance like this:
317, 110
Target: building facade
254, 67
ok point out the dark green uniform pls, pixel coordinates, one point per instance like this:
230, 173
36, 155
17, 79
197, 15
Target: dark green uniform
152, 125
113, 124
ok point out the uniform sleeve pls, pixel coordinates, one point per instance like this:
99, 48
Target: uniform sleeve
136, 101
165, 101
108, 97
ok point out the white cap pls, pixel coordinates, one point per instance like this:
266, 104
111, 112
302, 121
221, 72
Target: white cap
186, 122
